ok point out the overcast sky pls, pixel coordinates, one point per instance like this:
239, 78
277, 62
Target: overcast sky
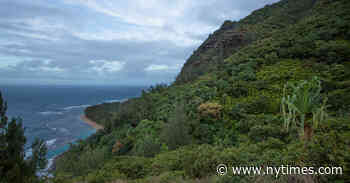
135, 42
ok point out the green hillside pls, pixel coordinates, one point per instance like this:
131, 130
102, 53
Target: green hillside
272, 89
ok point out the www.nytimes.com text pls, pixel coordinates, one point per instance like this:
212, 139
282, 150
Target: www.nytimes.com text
222, 169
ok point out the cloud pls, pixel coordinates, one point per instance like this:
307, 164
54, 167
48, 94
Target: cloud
35, 28
36, 24
104, 41
30, 65
9, 43
33, 35
144, 35
7, 61
131, 12
46, 69
162, 67
150, 21
106, 66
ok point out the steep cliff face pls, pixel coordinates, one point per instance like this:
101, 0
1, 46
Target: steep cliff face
232, 36
214, 50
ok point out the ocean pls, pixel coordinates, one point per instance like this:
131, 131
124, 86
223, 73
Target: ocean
52, 113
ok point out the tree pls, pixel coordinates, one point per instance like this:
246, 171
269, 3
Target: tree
305, 106
14, 166
176, 132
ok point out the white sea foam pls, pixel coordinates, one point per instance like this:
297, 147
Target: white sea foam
76, 107
28, 153
49, 163
50, 142
45, 171
63, 130
116, 100
47, 125
51, 113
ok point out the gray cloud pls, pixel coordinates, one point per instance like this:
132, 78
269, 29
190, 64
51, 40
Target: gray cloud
104, 42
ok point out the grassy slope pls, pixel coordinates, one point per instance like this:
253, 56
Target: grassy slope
230, 113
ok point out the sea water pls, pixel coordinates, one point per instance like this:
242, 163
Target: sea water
52, 113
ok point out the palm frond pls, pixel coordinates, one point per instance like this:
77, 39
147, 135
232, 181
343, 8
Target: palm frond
305, 99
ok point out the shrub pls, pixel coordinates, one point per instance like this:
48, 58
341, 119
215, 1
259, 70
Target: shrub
166, 177
90, 159
340, 99
226, 137
117, 146
176, 132
271, 143
347, 36
261, 104
201, 161
332, 51
132, 167
260, 133
146, 136
168, 161
148, 146
237, 112
95, 178
237, 90
210, 109
203, 133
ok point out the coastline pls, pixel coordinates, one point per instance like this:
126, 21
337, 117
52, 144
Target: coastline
91, 123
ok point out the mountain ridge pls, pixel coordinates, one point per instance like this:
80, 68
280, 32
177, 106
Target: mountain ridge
232, 35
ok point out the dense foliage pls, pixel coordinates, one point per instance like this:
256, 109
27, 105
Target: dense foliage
230, 104
14, 166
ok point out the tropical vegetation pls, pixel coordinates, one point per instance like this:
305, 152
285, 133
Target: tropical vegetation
270, 89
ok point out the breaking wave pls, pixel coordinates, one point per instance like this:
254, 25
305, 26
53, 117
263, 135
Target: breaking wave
116, 100
50, 142
76, 107
51, 113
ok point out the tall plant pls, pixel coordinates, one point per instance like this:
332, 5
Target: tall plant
304, 106
14, 166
